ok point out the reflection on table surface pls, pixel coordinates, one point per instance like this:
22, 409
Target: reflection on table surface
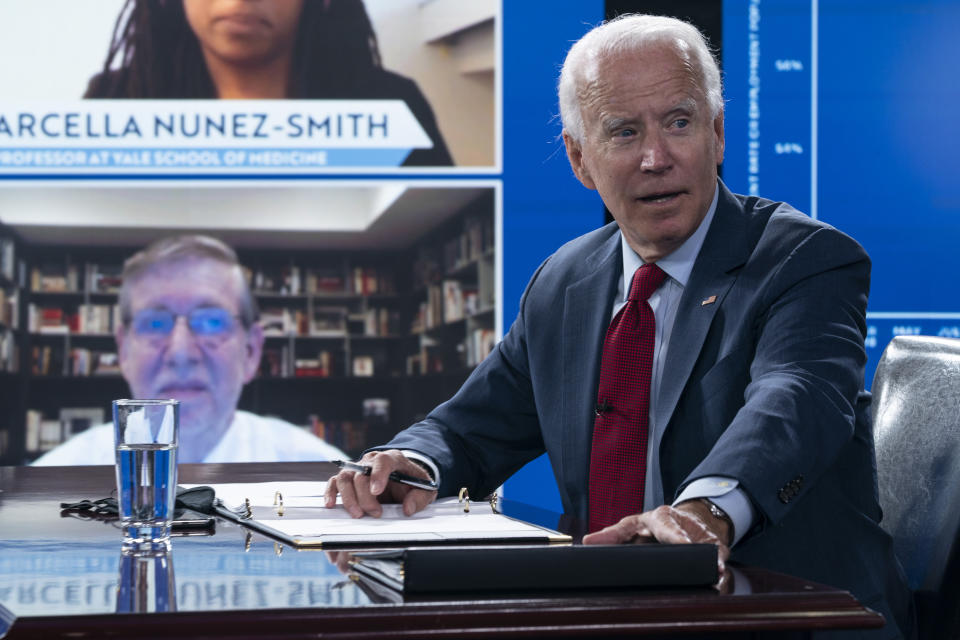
53, 577
56, 568
62, 565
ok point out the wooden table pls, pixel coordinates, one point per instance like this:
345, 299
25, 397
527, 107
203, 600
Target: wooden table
58, 579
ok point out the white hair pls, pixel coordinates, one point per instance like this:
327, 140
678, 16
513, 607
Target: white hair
631, 33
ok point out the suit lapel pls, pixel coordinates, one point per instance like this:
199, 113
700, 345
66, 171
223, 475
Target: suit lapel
585, 318
725, 248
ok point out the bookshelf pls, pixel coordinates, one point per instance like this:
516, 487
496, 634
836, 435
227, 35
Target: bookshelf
11, 339
358, 344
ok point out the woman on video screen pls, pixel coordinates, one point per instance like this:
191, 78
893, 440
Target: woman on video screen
255, 49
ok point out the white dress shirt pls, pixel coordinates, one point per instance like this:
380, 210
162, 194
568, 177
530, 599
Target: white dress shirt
250, 438
722, 491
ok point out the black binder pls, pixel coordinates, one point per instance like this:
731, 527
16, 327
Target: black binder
513, 568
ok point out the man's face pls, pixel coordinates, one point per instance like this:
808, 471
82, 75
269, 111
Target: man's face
650, 147
205, 372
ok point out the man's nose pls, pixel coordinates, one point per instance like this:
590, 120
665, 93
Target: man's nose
655, 154
182, 344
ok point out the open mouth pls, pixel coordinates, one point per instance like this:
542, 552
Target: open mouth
657, 198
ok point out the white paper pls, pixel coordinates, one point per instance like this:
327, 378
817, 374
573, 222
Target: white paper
305, 516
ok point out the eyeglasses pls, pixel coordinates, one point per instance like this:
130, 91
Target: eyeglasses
204, 322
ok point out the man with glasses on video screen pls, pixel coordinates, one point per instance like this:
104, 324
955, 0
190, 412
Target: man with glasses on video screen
189, 331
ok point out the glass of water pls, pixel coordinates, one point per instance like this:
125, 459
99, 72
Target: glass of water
147, 432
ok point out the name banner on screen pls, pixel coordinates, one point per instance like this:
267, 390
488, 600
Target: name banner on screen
153, 136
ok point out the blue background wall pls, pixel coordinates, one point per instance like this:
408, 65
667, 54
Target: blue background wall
853, 121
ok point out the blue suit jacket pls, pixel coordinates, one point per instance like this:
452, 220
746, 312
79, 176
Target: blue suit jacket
765, 384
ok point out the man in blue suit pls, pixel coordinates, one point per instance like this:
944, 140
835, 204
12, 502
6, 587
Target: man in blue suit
757, 430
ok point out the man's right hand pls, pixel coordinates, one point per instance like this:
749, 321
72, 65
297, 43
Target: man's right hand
362, 494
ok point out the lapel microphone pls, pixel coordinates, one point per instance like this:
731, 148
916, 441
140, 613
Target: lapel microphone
602, 407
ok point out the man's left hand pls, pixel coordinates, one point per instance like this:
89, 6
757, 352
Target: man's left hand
688, 522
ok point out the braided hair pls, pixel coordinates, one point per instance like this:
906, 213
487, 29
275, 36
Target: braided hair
155, 54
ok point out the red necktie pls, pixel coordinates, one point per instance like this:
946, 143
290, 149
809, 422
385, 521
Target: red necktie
618, 455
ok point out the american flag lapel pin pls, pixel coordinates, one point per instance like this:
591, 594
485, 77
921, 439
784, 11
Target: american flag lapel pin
709, 300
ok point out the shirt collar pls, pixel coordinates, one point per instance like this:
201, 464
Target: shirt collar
678, 264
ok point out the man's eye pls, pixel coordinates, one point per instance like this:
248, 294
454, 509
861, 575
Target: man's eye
625, 133
210, 323
215, 324
681, 123
152, 323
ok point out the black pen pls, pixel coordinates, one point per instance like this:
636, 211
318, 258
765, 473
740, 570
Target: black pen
396, 476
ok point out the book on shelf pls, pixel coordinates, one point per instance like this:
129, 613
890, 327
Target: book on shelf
80, 362
9, 352
319, 367
87, 319
486, 289
363, 366
8, 259
97, 319
452, 300
278, 321
51, 434
479, 343
41, 434
106, 363
376, 412
471, 301
325, 281
9, 305
31, 430
278, 280
473, 241
291, 280
267, 281
54, 278
415, 366
275, 362
375, 322
480, 237
328, 321
420, 364
371, 280
78, 419
452, 255
46, 319
430, 312
87, 362
47, 360
426, 266
104, 278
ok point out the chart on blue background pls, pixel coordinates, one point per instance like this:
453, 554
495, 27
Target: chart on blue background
841, 109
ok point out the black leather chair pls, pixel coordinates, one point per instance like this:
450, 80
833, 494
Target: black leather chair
916, 414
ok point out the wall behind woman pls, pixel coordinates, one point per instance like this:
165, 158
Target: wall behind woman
57, 46
450, 70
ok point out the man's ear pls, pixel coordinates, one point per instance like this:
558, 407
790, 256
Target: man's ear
575, 156
718, 133
254, 350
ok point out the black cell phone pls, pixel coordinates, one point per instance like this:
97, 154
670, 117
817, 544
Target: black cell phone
193, 522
